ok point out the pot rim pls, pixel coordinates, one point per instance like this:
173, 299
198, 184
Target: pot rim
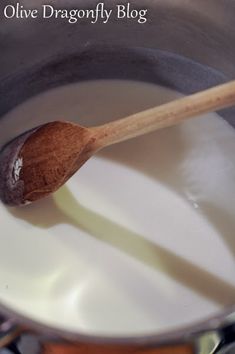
180, 335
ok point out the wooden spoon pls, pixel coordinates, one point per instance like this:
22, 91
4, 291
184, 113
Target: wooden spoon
40, 161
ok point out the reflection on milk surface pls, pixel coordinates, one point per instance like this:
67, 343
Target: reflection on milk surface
141, 238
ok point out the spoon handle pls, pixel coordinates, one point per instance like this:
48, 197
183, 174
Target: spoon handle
166, 115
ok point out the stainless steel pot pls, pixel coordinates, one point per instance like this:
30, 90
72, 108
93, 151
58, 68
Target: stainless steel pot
185, 45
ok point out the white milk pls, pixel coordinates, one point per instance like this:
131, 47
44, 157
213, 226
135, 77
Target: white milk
141, 239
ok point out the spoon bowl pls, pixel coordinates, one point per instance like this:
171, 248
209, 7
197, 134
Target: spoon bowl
38, 162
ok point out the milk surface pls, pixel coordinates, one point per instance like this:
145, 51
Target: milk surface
141, 240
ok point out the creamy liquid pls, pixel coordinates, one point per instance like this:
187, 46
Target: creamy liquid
141, 239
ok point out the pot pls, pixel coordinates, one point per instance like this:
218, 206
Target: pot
184, 45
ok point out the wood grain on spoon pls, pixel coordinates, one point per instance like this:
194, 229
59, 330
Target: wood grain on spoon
40, 161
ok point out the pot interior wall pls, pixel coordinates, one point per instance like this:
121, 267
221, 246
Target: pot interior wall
183, 45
